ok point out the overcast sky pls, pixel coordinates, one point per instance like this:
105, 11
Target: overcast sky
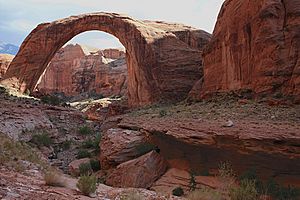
19, 17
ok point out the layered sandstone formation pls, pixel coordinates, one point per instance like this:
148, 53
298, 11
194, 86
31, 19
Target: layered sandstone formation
256, 46
141, 172
164, 60
5, 60
118, 146
76, 69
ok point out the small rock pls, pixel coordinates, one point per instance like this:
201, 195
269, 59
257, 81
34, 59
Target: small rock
229, 123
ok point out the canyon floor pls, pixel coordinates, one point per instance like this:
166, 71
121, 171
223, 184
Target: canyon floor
156, 149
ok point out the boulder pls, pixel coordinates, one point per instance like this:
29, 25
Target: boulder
141, 172
120, 145
75, 164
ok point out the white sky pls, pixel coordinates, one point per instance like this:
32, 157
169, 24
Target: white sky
19, 17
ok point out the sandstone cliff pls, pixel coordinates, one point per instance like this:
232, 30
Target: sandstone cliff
75, 70
256, 46
5, 60
163, 59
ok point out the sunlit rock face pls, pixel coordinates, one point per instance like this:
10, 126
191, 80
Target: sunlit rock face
5, 60
76, 69
163, 59
256, 46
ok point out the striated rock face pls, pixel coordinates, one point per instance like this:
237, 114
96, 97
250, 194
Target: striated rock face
270, 147
163, 59
140, 173
76, 70
255, 45
5, 60
119, 145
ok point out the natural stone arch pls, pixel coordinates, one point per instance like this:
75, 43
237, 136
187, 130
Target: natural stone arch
158, 55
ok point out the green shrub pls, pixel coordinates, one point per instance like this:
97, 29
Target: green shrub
131, 196
97, 141
88, 144
65, 145
95, 165
13, 152
85, 130
225, 170
162, 113
178, 192
145, 148
204, 194
280, 192
82, 153
52, 100
245, 191
85, 169
193, 183
42, 139
87, 184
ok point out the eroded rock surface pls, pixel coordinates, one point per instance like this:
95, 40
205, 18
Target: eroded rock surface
5, 60
163, 59
75, 70
255, 45
174, 178
262, 137
141, 172
119, 145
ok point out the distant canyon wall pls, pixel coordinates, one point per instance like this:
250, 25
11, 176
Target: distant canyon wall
75, 70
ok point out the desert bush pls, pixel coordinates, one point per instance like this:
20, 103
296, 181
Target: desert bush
52, 100
279, 192
85, 169
42, 139
178, 192
131, 196
53, 178
193, 183
204, 194
246, 190
65, 145
85, 130
87, 184
82, 153
162, 113
95, 165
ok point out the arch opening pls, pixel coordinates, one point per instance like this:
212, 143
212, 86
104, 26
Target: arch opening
91, 64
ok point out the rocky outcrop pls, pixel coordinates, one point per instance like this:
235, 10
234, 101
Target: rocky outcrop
75, 70
5, 60
163, 59
270, 147
174, 178
141, 172
256, 46
20, 118
119, 145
